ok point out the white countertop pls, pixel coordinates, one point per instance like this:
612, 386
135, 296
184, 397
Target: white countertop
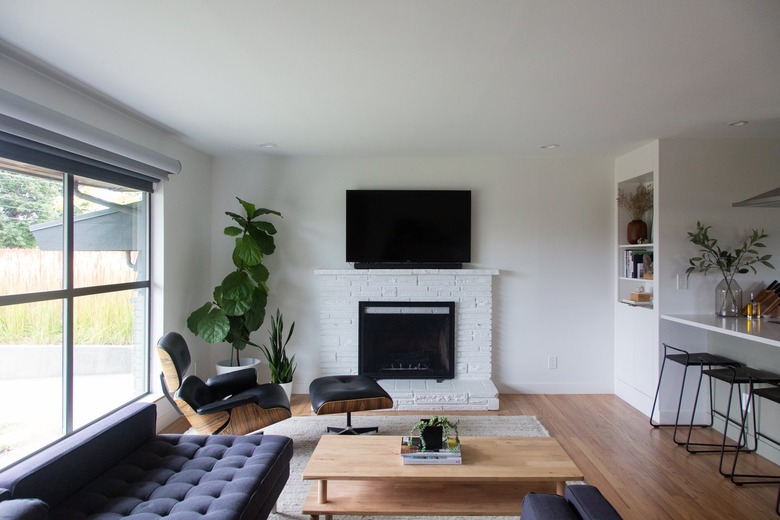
764, 330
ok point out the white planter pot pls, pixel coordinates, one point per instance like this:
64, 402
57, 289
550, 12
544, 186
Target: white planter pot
287, 389
223, 367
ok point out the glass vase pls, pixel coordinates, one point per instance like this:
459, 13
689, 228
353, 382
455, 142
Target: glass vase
728, 298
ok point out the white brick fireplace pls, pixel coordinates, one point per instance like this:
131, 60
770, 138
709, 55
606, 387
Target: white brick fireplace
472, 292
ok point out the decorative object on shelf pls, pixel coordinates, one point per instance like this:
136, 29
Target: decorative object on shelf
647, 261
637, 204
639, 295
728, 293
239, 303
282, 368
433, 431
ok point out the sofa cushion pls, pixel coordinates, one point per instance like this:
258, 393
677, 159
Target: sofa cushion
186, 476
590, 503
543, 506
24, 509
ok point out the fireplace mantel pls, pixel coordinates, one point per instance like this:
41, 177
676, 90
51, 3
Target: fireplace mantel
470, 289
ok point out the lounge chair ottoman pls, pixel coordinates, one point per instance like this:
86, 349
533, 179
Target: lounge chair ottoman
347, 394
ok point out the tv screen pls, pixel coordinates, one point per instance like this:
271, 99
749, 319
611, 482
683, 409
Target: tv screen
407, 227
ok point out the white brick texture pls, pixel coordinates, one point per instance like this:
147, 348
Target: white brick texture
472, 292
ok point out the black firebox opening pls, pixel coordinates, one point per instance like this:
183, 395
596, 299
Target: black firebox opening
407, 340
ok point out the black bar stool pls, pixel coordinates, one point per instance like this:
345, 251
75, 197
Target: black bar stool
771, 393
688, 359
733, 376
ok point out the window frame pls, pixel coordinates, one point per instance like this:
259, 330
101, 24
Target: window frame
69, 293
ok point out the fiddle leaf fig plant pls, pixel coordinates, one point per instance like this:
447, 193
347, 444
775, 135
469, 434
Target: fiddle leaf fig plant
238, 306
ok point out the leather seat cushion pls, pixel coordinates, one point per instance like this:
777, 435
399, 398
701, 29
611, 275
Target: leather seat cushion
347, 388
183, 477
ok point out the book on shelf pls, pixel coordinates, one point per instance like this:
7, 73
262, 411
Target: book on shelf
637, 262
412, 452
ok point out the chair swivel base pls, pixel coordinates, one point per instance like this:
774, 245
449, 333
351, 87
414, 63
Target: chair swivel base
351, 430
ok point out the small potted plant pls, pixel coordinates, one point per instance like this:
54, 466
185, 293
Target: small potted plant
434, 431
282, 367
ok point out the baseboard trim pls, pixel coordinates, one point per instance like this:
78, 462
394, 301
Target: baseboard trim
556, 388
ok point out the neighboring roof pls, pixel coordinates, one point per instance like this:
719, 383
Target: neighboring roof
105, 230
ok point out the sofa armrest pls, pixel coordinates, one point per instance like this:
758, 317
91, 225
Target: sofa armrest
590, 503
24, 509
546, 506
49, 474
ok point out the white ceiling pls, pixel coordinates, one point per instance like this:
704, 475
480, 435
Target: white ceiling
416, 77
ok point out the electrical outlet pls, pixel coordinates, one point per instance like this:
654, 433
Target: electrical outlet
746, 402
552, 362
682, 282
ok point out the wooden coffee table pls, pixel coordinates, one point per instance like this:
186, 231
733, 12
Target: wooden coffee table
366, 476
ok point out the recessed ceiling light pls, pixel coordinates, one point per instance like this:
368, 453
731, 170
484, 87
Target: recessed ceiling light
550, 146
738, 123
266, 146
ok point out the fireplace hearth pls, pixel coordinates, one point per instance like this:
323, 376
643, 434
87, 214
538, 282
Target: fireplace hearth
407, 340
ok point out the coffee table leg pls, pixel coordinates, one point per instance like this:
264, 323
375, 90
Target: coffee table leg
560, 487
322, 491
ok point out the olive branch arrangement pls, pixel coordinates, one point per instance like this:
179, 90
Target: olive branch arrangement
730, 263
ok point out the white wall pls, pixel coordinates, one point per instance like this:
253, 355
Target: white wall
700, 178
180, 208
545, 224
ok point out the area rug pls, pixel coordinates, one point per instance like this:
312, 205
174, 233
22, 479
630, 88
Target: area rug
306, 431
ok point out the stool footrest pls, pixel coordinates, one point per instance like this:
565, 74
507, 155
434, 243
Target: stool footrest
347, 394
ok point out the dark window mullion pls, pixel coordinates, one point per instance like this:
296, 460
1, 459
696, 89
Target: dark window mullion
18, 299
67, 306
148, 300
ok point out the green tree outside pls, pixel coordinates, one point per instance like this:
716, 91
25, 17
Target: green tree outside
26, 200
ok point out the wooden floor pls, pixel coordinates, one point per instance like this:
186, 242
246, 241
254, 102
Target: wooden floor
638, 468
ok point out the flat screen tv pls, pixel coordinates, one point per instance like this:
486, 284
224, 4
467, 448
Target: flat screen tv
408, 228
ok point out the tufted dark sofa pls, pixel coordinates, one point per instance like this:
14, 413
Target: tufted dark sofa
119, 468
